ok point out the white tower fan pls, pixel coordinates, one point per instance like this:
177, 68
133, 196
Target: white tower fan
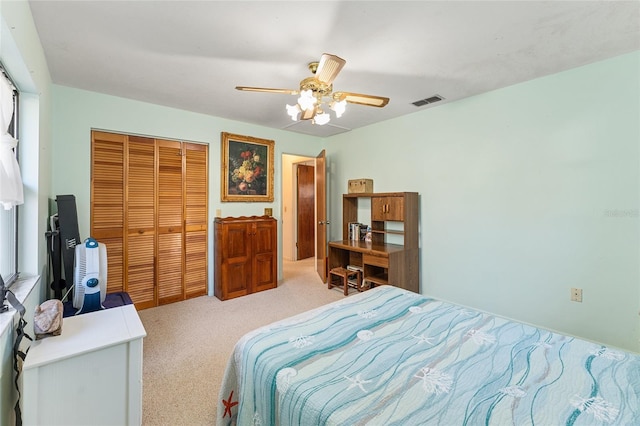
90, 276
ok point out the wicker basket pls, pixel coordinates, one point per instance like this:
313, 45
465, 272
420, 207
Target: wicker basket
360, 186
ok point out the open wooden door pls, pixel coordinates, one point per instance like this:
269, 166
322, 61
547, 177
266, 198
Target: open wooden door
305, 198
321, 216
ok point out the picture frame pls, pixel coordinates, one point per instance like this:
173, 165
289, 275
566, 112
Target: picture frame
247, 168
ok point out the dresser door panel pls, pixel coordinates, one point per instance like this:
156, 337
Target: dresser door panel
263, 270
236, 275
237, 241
264, 266
236, 268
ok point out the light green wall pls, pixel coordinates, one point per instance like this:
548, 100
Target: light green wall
525, 192
76, 112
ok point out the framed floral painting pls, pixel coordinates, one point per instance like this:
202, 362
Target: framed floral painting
247, 168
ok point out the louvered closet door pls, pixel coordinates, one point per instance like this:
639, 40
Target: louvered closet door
141, 245
149, 206
196, 160
170, 235
107, 201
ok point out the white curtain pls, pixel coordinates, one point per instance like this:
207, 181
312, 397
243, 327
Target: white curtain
10, 180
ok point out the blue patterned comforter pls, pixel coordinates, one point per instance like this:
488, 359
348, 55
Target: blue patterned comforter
392, 357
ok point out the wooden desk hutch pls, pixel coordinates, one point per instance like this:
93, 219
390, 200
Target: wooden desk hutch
382, 262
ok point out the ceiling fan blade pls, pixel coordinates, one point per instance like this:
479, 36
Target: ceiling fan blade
267, 90
357, 98
329, 67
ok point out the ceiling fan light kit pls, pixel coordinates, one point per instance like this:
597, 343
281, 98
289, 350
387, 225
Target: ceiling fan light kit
314, 90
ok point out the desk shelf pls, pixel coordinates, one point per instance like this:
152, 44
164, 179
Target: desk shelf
377, 279
387, 231
382, 262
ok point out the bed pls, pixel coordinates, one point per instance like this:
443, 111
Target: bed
392, 357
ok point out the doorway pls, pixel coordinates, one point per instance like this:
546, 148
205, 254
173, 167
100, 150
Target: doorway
289, 212
290, 163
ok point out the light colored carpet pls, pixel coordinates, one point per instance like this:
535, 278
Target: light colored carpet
188, 343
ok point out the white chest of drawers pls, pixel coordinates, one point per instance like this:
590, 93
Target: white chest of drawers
90, 374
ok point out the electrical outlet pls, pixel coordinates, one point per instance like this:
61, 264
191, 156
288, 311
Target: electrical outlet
576, 295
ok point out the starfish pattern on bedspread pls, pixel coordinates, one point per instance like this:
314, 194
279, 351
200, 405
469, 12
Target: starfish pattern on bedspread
357, 381
228, 405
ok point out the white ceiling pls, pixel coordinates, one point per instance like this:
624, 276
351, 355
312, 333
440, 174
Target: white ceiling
190, 55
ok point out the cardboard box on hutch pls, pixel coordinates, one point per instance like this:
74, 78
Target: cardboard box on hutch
360, 186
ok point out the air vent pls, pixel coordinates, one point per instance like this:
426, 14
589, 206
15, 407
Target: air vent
430, 100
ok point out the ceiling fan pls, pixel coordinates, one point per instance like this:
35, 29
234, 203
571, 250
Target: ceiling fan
313, 91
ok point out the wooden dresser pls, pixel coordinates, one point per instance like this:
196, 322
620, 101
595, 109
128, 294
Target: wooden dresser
246, 255
381, 261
